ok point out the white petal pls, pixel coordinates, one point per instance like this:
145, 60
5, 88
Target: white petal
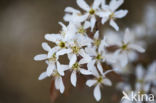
121, 13
91, 51
106, 72
96, 35
63, 51
64, 28
73, 78
97, 93
90, 83
85, 60
43, 76
114, 25
61, 85
40, 57
53, 51
83, 5
124, 59
73, 60
137, 48
59, 68
128, 36
115, 4
71, 10
86, 25
140, 72
53, 37
100, 67
91, 67
104, 20
81, 18
92, 22
107, 82
85, 72
57, 83
50, 68
45, 46
67, 17
96, 4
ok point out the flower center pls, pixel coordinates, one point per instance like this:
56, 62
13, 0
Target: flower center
75, 66
55, 73
81, 30
99, 57
53, 58
124, 46
111, 16
97, 42
62, 33
100, 79
91, 11
62, 44
75, 49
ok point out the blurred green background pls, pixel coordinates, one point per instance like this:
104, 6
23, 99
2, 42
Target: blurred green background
23, 24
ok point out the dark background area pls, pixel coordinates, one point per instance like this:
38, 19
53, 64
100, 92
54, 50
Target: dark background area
23, 24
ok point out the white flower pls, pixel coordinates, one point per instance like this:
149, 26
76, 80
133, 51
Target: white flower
58, 80
127, 48
110, 13
76, 49
74, 16
97, 51
91, 11
100, 79
76, 67
151, 73
141, 84
50, 58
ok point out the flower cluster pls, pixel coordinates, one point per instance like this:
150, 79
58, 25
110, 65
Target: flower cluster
144, 83
87, 48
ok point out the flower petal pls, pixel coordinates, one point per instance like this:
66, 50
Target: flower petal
121, 13
71, 10
61, 85
86, 25
96, 35
97, 93
137, 48
107, 82
96, 4
63, 51
90, 83
73, 78
53, 37
57, 83
114, 25
45, 46
85, 72
40, 57
42, 76
83, 5
50, 69
115, 4
73, 59
92, 22
60, 70
100, 67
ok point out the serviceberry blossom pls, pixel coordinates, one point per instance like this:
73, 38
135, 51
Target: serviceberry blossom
58, 79
99, 80
145, 80
127, 48
109, 13
87, 50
